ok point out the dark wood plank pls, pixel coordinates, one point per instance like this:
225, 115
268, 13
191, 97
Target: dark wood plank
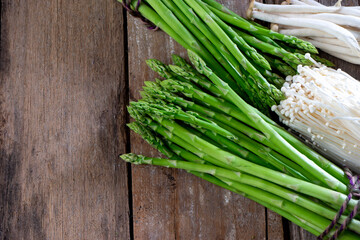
153, 188
62, 125
275, 226
170, 204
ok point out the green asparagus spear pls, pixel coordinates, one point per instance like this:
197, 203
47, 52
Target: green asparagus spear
241, 23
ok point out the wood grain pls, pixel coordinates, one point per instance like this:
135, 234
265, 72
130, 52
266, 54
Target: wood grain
62, 107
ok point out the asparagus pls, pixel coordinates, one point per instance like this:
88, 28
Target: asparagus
239, 71
281, 66
272, 77
193, 77
228, 185
240, 129
316, 57
242, 141
173, 148
242, 44
213, 46
226, 159
296, 58
187, 43
286, 148
207, 17
236, 120
251, 185
241, 23
181, 62
170, 151
160, 68
266, 39
233, 145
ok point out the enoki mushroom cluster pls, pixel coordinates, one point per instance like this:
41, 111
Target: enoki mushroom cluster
323, 105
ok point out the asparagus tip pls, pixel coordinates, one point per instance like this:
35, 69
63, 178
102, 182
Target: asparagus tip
196, 61
132, 158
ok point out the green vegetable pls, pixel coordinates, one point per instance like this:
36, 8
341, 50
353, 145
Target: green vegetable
241, 23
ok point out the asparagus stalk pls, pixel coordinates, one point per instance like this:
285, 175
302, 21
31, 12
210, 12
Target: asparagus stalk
230, 185
272, 77
235, 113
317, 58
173, 148
226, 159
286, 148
213, 46
266, 39
239, 71
181, 62
242, 44
240, 129
241, 23
297, 59
274, 94
250, 185
281, 66
187, 43
224, 136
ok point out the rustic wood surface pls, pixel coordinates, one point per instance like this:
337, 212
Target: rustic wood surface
68, 70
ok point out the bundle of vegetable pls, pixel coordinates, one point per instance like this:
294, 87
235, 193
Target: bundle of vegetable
335, 30
253, 60
204, 127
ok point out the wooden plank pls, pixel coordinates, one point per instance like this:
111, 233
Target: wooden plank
153, 188
275, 225
170, 204
62, 125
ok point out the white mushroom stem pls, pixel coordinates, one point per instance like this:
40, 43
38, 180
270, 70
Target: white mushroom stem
315, 3
312, 3
331, 28
334, 48
339, 19
275, 8
305, 32
348, 58
332, 41
310, 32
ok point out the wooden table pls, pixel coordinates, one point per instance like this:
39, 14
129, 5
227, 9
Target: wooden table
68, 70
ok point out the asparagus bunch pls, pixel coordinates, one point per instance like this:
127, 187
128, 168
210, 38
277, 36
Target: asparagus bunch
247, 56
198, 121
